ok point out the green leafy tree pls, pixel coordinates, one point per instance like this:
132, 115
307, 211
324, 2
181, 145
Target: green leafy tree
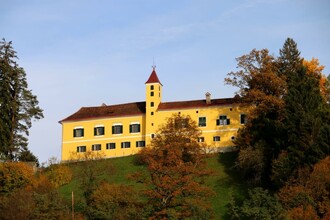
175, 183
18, 106
259, 204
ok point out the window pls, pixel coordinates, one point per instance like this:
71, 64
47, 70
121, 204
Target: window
181, 123
126, 144
96, 147
202, 121
140, 144
151, 93
134, 128
117, 129
232, 138
243, 119
216, 138
98, 131
151, 87
152, 113
111, 146
201, 139
223, 120
152, 104
81, 149
78, 132
152, 135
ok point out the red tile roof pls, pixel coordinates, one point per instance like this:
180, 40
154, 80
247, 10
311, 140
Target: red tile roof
129, 109
139, 108
194, 104
153, 78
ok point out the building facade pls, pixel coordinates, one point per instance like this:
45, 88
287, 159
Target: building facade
121, 130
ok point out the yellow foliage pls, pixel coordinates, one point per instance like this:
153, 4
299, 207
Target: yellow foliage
314, 68
15, 175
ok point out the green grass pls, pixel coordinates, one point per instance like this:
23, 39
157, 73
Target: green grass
224, 181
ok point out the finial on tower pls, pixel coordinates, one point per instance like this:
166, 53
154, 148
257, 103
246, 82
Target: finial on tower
153, 63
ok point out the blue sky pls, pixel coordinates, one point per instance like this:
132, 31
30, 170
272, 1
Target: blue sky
84, 53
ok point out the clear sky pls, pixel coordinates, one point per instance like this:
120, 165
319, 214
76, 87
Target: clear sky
84, 53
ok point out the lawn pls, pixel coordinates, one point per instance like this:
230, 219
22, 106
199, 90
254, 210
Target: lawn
224, 181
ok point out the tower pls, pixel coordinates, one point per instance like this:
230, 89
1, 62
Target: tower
153, 99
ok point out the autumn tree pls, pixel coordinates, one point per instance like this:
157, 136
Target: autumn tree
262, 87
308, 193
18, 106
109, 200
174, 185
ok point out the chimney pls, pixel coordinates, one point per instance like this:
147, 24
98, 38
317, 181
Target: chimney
208, 98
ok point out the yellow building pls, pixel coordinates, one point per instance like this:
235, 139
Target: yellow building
121, 130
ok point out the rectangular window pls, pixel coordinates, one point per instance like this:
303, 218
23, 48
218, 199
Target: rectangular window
126, 144
151, 104
134, 128
243, 119
151, 93
151, 87
216, 138
78, 132
81, 149
223, 120
96, 147
202, 121
117, 129
201, 139
140, 144
98, 131
110, 146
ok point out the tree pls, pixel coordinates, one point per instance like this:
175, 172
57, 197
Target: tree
174, 185
259, 204
109, 200
18, 106
261, 86
307, 117
308, 193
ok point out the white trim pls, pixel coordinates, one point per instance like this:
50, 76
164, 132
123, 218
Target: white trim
135, 123
104, 139
79, 127
116, 124
98, 126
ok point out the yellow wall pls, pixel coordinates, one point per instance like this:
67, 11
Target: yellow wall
226, 132
149, 124
70, 143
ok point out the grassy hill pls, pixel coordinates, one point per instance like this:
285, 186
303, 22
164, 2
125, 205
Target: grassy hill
225, 181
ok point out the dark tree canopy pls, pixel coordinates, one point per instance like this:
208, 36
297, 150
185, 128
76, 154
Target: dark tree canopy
18, 106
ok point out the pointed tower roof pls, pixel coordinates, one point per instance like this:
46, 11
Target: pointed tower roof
153, 78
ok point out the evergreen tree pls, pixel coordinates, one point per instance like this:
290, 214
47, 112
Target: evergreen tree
307, 115
18, 106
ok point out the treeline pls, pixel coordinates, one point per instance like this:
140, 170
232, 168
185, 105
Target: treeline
285, 146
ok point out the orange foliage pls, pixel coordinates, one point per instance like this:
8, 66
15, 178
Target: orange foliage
175, 163
309, 191
301, 213
314, 68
